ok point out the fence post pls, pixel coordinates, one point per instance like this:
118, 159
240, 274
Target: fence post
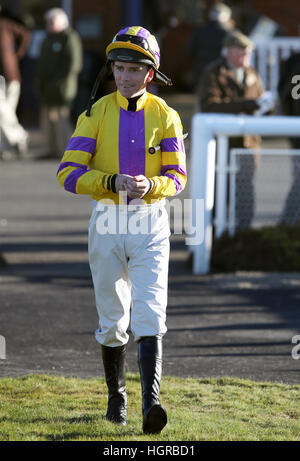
203, 152
221, 185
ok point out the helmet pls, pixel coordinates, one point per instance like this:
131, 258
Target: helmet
132, 44
137, 44
138, 39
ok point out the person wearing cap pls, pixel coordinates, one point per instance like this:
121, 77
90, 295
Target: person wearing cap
110, 158
231, 86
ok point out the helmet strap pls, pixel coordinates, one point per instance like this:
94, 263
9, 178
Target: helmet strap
162, 78
100, 77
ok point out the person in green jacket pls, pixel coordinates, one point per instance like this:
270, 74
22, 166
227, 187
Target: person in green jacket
58, 67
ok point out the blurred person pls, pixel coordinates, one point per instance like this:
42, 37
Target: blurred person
206, 42
58, 67
231, 86
110, 157
290, 105
14, 41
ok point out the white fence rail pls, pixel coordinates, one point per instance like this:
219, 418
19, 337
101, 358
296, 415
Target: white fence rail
267, 58
205, 129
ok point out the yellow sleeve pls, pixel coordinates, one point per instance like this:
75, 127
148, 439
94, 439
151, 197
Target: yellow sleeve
74, 173
172, 179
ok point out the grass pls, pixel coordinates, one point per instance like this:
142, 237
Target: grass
274, 248
52, 408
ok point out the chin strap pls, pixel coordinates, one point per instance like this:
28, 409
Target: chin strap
162, 78
100, 77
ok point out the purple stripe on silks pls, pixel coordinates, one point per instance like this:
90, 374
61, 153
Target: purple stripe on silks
132, 145
178, 184
172, 145
65, 164
72, 178
179, 168
82, 143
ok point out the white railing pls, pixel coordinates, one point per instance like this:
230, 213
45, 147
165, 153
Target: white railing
267, 58
206, 128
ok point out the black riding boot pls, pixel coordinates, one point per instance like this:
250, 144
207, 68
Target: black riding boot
114, 367
150, 365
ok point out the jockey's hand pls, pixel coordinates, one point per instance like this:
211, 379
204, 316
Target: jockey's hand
138, 186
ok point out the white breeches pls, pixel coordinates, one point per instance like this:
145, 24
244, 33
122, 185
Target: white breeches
129, 261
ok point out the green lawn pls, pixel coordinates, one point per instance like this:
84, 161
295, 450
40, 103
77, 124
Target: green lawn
275, 248
44, 407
